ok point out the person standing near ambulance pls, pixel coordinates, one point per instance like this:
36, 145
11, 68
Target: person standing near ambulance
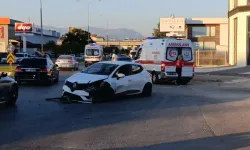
114, 56
179, 65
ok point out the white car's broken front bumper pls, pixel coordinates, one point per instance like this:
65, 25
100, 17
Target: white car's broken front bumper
80, 93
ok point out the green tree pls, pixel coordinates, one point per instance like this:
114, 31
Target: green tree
75, 41
51, 45
157, 32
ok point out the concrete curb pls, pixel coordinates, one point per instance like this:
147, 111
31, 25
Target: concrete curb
237, 81
220, 78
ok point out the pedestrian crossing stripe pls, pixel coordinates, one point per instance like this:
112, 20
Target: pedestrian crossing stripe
10, 58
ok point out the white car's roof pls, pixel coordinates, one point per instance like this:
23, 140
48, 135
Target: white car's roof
117, 62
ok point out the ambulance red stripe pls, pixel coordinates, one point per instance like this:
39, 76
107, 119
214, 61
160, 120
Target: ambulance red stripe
152, 62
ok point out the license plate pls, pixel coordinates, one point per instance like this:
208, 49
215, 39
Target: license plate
89, 61
30, 70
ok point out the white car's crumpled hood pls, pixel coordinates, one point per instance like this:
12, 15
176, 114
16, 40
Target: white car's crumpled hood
85, 78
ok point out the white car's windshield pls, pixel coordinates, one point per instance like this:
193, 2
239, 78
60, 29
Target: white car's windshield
92, 52
100, 69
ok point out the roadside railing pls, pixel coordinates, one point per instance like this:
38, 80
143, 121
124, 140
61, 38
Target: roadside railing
211, 58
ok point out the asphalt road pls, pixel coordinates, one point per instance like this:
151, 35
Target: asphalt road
201, 115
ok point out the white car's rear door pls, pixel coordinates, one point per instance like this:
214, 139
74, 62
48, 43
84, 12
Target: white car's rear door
137, 78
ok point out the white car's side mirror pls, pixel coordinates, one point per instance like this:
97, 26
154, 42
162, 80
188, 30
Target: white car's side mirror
120, 75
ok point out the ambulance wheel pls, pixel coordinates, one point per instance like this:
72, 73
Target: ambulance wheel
155, 78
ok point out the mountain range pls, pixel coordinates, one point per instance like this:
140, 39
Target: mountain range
117, 34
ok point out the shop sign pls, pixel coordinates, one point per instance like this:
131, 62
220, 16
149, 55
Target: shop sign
172, 24
23, 27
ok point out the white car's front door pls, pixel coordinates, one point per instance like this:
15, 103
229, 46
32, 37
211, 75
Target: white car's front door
122, 85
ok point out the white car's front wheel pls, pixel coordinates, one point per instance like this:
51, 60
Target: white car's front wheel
105, 93
147, 90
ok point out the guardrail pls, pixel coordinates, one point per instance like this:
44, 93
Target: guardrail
119, 43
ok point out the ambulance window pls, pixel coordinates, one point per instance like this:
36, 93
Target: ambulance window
187, 54
172, 53
92, 52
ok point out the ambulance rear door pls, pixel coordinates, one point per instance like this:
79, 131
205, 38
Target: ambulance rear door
184, 48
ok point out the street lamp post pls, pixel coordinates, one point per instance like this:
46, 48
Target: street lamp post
107, 33
88, 22
41, 19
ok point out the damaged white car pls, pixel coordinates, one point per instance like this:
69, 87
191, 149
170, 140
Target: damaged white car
104, 80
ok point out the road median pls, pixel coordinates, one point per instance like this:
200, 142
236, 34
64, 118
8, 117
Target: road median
8, 69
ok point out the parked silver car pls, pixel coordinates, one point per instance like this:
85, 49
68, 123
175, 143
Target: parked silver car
67, 62
8, 89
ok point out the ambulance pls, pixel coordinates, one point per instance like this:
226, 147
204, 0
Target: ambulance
93, 54
159, 55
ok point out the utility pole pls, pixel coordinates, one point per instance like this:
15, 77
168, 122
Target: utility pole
41, 19
107, 33
88, 20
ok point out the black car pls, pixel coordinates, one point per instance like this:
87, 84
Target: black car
123, 58
37, 69
8, 89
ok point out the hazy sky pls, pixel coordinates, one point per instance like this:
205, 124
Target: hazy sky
140, 15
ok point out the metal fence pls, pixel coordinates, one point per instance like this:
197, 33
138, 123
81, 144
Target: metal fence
211, 58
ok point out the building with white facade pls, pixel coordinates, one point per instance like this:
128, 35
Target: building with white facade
205, 33
239, 32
